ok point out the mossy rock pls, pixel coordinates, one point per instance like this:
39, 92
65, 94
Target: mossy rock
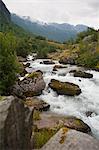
64, 88
82, 74
34, 75
77, 124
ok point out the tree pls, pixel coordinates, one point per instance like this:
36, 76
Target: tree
8, 62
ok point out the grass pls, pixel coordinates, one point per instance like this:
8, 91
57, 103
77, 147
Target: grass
42, 136
36, 115
2, 98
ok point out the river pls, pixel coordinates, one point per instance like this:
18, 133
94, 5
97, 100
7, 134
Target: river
87, 101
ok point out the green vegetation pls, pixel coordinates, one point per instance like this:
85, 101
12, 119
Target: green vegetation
88, 48
8, 62
42, 136
36, 115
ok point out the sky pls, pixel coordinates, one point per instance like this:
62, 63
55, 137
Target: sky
60, 11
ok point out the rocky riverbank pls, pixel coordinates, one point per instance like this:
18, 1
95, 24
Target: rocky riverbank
51, 98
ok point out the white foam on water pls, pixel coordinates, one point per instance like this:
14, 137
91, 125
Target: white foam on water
77, 106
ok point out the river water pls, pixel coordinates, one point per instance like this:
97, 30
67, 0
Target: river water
76, 106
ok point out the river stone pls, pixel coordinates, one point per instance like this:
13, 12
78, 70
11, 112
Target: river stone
64, 88
32, 85
22, 70
16, 122
71, 140
68, 60
47, 62
58, 67
37, 104
83, 74
26, 65
21, 59
77, 124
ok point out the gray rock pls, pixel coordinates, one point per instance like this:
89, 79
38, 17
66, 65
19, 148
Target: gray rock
71, 140
38, 104
83, 74
30, 86
48, 62
15, 125
68, 60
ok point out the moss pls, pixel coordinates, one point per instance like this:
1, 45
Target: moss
34, 75
78, 122
2, 98
42, 136
36, 115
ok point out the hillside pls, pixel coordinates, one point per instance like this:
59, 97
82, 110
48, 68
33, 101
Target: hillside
52, 31
84, 51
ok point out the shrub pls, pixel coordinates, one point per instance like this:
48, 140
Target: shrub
8, 62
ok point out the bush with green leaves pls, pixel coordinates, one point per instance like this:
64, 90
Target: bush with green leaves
8, 62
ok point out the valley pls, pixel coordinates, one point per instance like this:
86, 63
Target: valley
49, 84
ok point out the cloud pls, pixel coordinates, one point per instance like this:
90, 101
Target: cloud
70, 11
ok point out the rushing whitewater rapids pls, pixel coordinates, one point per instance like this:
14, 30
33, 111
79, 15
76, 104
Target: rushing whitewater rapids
76, 106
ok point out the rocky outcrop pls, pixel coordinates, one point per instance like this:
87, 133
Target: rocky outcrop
32, 85
15, 124
64, 88
83, 74
71, 140
77, 124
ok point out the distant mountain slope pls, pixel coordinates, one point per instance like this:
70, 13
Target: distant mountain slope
52, 31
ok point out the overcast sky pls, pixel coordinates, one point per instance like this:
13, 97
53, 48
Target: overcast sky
61, 11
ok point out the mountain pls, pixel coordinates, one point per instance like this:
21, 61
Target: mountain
5, 15
52, 31
6, 24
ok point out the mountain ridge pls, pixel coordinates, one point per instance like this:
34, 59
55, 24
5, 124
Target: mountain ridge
53, 31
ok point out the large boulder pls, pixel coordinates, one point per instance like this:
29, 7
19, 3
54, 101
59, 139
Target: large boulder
16, 123
64, 88
77, 124
83, 74
32, 85
71, 140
